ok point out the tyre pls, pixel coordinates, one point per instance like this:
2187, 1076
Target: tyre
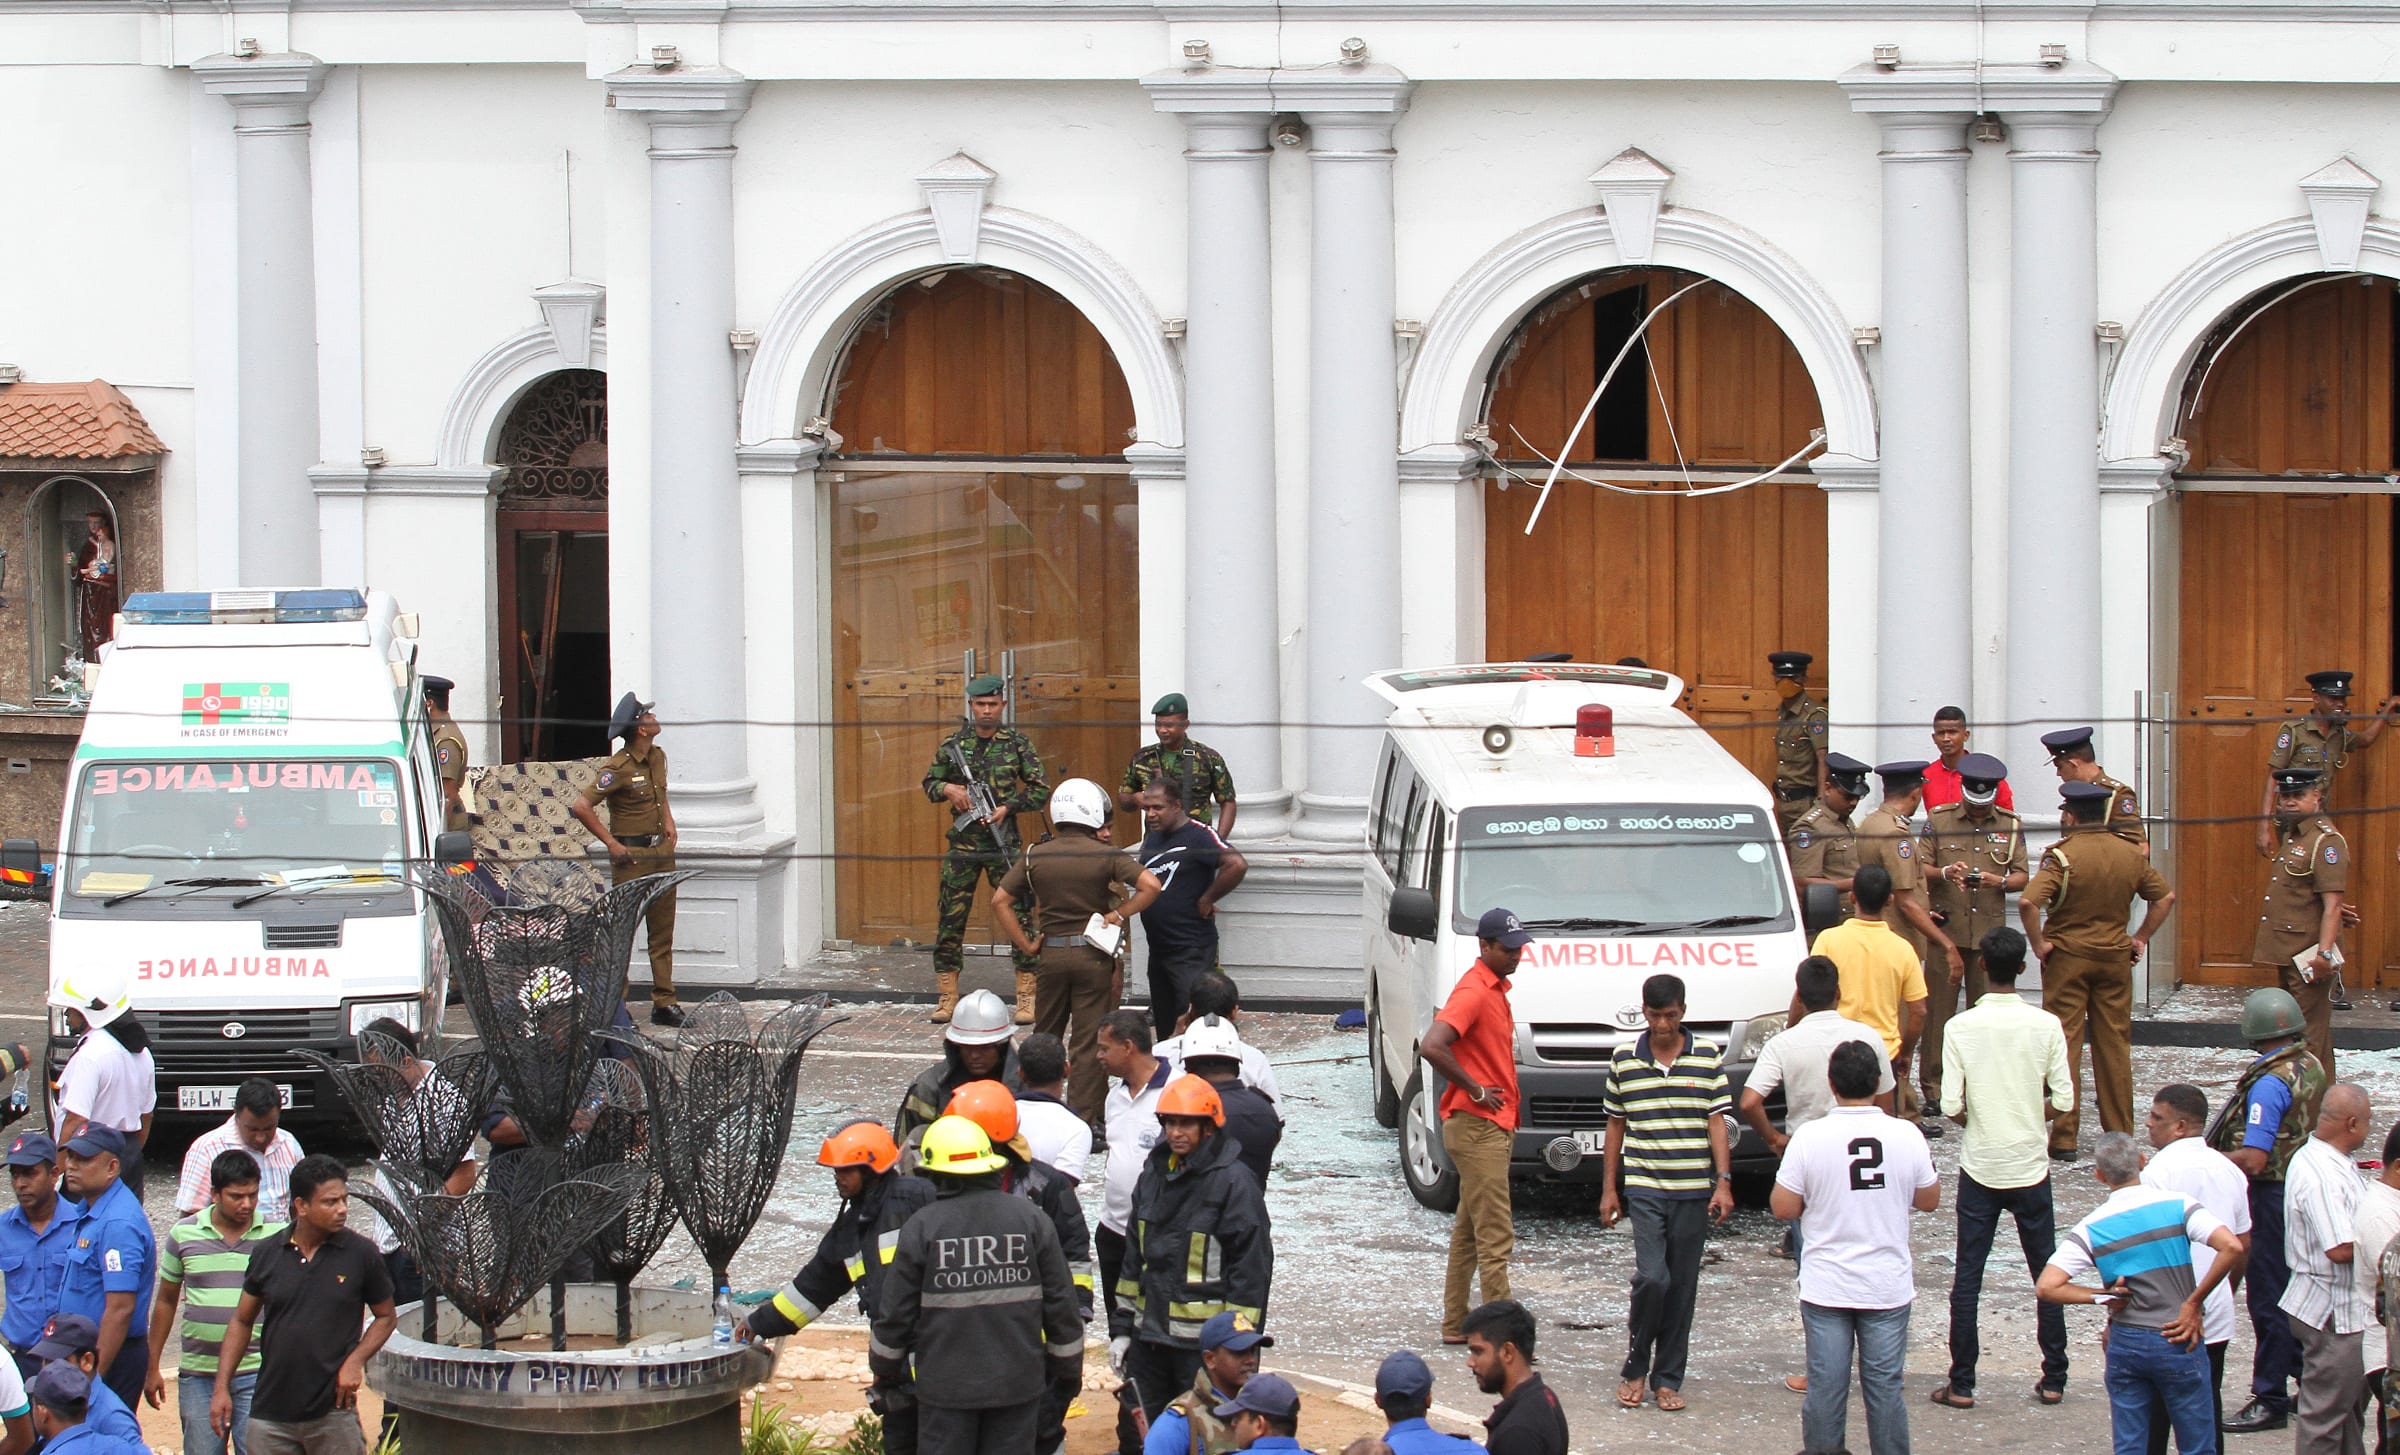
1432, 1181
1387, 1100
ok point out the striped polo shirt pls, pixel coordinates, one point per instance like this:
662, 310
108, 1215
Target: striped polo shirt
1666, 1110
210, 1267
2142, 1236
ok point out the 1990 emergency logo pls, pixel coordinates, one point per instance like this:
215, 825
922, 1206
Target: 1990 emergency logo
236, 709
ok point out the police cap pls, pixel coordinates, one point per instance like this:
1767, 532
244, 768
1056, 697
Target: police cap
987, 685
2330, 684
2080, 795
2296, 779
1979, 776
1847, 773
2067, 740
62, 1389
1901, 776
629, 711
1789, 664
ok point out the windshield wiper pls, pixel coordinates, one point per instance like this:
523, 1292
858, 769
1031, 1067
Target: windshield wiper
1721, 922
370, 876
1576, 922
187, 885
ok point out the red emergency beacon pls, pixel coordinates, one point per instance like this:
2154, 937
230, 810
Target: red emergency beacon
1595, 731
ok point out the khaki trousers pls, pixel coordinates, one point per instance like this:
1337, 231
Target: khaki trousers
661, 917
1483, 1234
1071, 992
2096, 994
1942, 1001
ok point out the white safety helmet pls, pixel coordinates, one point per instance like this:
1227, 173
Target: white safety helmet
1080, 801
1211, 1035
101, 993
980, 1019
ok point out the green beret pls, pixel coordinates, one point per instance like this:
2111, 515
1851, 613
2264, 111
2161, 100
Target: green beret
987, 685
1171, 705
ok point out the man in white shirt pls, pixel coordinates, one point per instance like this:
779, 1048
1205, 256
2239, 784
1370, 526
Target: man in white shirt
2182, 1162
1057, 1136
2004, 1067
1851, 1178
1215, 994
2378, 1229
2154, 1303
1794, 1060
2321, 1193
1135, 1078
256, 1127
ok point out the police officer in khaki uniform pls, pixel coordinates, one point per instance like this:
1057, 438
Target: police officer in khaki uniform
1887, 837
1072, 876
2302, 916
1974, 856
639, 834
1823, 844
2323, 741
1799, 739
2074, 913
449, 753
2071, 754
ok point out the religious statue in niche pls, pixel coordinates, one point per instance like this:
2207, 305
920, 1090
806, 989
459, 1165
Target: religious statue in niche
95, 566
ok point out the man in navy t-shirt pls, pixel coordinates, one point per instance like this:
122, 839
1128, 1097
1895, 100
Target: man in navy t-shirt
1195, 869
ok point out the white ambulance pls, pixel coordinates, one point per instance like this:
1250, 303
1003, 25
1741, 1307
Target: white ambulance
1627, 840
254, 785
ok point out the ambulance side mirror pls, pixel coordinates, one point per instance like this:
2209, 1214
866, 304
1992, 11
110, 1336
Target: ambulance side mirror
1414, 915
1820, 909
455, 847
20, 861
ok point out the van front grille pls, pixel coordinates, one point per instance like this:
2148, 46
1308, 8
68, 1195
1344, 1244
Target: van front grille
323, 936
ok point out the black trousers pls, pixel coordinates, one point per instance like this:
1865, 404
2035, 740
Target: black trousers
1154, 1375
1669, 1235
1108, 1246
2216, 1387
127, 1372
2276, 1361
1173, 971
1979, 1210
1007, 1430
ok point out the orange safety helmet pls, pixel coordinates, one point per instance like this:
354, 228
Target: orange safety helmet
989, 1105
860, 1143
1189, 1096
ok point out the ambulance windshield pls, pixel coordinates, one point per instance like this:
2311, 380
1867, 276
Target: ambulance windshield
212, 827
1625, 869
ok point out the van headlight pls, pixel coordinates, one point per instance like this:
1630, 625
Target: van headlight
1761, 1030
364, 1013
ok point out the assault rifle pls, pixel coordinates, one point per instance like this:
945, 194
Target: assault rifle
982, 804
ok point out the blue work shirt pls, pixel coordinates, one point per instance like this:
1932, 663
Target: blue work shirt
1171, 1432
86, 1439
1415, 1437
108, 1414
2263, 1117
115, 1252
32, 1268
1277, 1442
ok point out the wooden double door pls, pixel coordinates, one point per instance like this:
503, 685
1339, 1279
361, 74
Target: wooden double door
1035, 574
1704, 586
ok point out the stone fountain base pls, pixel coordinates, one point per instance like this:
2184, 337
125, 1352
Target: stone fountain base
670, 1383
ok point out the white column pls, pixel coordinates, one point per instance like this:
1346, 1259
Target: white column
1353, 624
275, 311
1924, 637
2055, 562
1231, 653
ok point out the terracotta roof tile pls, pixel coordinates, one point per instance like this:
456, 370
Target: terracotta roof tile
86, 421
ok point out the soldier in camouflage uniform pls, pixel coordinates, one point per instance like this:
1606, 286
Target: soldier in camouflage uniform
1210, 781
2272, 1110
1005, 762
2323, 740
2072, 756
1799, 740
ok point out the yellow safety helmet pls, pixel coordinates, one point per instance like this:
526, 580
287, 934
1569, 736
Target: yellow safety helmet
956, 1145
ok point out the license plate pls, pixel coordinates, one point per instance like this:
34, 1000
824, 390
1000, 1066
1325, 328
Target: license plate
1590, 1143
218, 1098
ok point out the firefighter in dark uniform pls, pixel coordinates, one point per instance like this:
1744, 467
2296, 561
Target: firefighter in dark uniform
855, 1252
449, 753
1208, 783
1974, 856
2323, 740
2072, 755
1003, 761
2074, 911
1823, 844
2302, 916
977, 1312
639, 834
1799, 739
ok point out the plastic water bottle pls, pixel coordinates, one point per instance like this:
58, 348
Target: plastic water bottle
723, 1332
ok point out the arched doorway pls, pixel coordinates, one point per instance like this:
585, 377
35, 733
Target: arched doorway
552, 531
983, 520
1704, 587
2286, 565
72, 599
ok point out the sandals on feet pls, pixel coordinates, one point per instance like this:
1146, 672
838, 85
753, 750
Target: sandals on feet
1631, 1393
1670, 1400
2047, 1395
1952, 1398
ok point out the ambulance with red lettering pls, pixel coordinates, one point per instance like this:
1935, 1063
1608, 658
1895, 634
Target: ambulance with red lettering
254, 786
1626, 838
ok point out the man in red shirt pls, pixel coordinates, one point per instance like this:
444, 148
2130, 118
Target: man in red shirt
1472, 1043
1949, 745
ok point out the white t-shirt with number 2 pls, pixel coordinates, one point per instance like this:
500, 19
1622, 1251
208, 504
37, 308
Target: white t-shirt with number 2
1858, 1171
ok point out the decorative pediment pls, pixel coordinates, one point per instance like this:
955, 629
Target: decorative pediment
956, 189
1631, 188
572, 311
2338, 196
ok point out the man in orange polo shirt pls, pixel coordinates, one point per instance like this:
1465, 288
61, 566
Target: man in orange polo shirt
1472, 1043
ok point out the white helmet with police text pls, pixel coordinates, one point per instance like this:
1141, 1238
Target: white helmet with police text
1080, 801
102, 993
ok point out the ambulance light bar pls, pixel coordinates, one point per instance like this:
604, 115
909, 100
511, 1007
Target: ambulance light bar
217, 608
